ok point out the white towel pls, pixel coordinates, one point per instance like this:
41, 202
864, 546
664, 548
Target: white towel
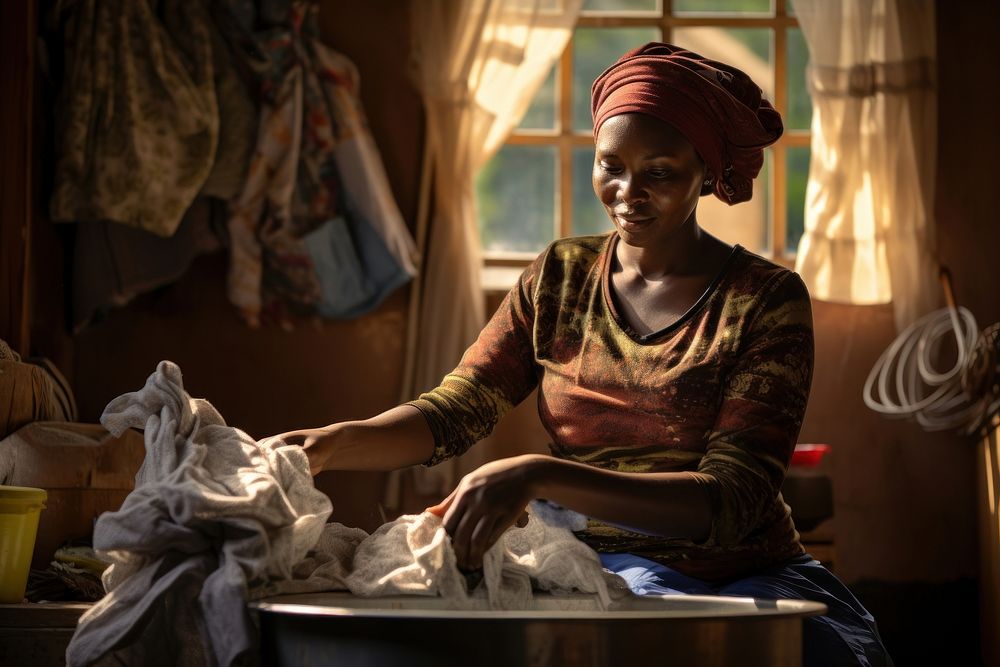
213, 513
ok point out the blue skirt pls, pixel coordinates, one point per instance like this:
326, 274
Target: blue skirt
846, 635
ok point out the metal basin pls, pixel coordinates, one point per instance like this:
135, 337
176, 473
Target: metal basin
340, 629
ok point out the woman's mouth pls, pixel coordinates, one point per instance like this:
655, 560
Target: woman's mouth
631, 222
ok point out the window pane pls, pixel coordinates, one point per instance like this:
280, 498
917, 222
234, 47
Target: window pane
594, 50
799, 114
541, 115
790, 7
748, 49
797, 162
722, 7
516, 194
589, 216
621, 6
747, 223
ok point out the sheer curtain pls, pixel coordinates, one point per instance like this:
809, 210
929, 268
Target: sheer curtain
869, 234
478, 64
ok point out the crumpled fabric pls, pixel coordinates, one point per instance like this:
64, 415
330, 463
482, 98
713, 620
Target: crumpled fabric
212, 514
413, 556
217, 519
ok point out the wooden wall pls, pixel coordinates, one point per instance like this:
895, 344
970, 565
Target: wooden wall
17, 183
969, 241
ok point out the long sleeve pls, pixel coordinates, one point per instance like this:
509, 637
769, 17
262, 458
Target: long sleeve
763, 404
495, 374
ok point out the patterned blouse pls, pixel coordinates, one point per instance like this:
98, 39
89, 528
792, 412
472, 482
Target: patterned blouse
720, 392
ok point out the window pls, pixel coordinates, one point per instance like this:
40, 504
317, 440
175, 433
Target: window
537, 187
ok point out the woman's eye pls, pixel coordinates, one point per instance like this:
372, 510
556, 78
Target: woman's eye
659, 173
611, 169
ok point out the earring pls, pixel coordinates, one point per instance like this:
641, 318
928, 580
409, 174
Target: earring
708, 186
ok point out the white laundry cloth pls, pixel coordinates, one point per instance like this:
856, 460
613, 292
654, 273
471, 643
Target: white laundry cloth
413, 556
213, 513
216, 519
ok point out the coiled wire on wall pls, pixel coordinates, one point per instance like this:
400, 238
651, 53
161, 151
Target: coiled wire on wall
905, 383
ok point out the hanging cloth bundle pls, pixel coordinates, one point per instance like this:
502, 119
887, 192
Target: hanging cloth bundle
315, 229
152, 113
34, 391
138, 124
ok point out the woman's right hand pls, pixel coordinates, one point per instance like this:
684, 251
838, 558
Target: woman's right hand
394, 439
486, 502
317, 443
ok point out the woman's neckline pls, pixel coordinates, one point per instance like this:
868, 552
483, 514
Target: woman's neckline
644, 339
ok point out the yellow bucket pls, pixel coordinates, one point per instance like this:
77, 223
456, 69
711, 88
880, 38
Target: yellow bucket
19, 509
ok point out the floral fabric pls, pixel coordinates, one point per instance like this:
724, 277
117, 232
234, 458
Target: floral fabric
301, 227
138, 124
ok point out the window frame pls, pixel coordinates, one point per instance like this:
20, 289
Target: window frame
564, 138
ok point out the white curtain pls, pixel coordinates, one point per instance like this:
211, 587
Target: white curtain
477, 64
869, 233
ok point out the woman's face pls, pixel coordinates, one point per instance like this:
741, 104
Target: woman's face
648, 176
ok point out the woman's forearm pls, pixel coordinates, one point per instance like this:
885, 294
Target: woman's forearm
396, 438
667, 504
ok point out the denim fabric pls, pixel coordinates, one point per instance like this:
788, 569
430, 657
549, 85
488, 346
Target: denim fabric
846, 635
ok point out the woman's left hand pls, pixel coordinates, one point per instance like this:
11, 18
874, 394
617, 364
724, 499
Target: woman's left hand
485, 503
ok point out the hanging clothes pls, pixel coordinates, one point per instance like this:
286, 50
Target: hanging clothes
366, 185
137, 122
113, 264
155, 110
315, 229
153, 113
237, 121
260, 235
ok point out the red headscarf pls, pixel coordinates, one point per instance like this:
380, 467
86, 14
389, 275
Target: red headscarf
718, 108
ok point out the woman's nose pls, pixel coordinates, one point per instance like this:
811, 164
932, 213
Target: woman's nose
630, 190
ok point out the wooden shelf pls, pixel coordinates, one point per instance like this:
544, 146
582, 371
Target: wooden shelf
37, 634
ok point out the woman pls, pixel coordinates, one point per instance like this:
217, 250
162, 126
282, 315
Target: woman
673, 369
